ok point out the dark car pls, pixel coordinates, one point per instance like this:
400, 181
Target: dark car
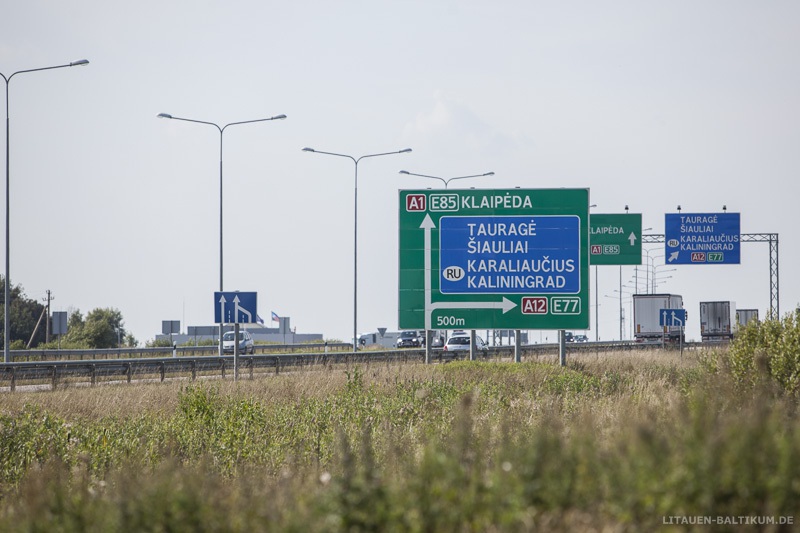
411, 339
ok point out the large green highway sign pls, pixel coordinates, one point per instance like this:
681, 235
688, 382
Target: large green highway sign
615, 239
494, 259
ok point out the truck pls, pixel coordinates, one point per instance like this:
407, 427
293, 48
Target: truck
745, 316
646, 319
386, 339
717, 321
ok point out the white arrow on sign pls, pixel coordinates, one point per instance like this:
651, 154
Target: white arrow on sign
632, 238
222, 301
506, 304
239, 309
676, 319
672, 257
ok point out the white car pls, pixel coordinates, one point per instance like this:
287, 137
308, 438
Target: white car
246, 344
458, 343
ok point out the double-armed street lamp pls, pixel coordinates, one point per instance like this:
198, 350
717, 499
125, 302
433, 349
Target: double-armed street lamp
221, 130
7, 298
446, 181
355, 161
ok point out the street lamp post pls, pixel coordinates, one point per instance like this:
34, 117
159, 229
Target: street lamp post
446, 181
650, 266
636, 268
7, 296
355, 161
472, 332
221, 130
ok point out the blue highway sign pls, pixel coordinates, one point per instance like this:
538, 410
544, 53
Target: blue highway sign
672, 317
510, 254
235, 307
702, 238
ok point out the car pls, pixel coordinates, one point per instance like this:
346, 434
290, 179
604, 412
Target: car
411, 339
458, 343
246, 344
581, 338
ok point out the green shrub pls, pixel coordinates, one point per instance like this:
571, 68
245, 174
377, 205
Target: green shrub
768, 349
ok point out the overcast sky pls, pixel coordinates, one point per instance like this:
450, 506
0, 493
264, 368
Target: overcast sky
647, 104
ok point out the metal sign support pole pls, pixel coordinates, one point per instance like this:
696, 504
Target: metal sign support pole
236, 352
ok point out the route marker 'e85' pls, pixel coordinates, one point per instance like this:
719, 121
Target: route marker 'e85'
494, 259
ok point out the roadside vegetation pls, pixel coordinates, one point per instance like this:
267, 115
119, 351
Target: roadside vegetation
620, 442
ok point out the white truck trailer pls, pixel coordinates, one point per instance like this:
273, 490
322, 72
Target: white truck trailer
647, 321
745, 316
717, 321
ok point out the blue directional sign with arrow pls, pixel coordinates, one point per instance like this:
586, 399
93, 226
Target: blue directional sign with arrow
702, 238
672, 317
235, 307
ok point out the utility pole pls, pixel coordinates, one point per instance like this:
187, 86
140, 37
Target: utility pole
47, 323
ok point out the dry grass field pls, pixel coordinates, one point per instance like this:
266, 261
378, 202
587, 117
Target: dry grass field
613, 442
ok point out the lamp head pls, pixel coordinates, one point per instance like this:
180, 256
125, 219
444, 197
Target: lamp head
279, 117
164, 115
489, 174
404, 172
404, 151
307, 149
79, 62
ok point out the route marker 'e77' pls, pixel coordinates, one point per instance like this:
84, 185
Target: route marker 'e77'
495, 259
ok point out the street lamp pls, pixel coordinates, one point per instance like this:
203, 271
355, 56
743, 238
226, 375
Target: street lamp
7, 299
651, 265
446, 181
355, 161
657, 274
636, 268
221, 131
629, 300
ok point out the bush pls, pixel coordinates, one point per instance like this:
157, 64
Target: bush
768, 350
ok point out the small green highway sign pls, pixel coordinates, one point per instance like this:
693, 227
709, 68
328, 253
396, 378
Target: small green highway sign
615, 239
494, 259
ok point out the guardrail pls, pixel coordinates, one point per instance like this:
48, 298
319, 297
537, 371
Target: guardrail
92, 371
165, 351
128, 369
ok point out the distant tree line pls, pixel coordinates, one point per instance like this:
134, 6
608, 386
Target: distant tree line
101, 328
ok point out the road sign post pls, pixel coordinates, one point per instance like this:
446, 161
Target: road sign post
494, 259
673, 318
235, 308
